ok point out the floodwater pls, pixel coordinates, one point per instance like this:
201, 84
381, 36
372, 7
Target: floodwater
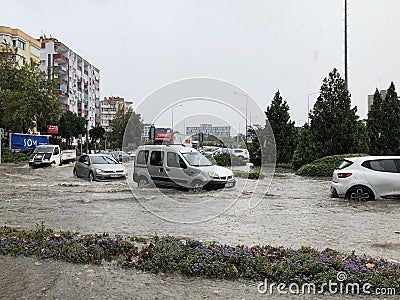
289, 210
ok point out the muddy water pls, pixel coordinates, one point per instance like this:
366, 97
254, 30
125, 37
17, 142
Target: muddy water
291, 211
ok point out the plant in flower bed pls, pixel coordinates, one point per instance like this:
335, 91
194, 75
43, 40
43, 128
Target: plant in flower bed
196, 258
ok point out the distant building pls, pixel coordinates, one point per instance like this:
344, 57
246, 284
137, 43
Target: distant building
371, 98
79, 80
108, 109
146, 130
221, 132
27, 47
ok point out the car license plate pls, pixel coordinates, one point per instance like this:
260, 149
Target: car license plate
229, 184
114, 175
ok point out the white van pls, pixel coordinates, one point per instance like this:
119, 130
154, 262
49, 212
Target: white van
179, 166
46, 155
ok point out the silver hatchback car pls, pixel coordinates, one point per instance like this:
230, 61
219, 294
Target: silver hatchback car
99, 167
367, 178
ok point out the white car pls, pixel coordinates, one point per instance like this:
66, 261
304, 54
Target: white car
209, 150
241, 153
367, 178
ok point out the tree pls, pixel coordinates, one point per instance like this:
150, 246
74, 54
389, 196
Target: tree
333, 121
254, 148
27, 96
284, 130
305, 149
96, 133
71, 126
376, 125
126, 129
391, 122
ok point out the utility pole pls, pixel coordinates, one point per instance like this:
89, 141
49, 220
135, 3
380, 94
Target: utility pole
345, 45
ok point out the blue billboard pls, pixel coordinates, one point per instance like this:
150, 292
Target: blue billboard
19, 141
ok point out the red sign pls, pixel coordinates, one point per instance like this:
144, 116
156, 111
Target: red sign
53, 129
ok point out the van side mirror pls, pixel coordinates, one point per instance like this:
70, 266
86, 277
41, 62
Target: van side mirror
182, 165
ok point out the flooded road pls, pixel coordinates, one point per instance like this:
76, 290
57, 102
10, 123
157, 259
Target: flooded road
294, 211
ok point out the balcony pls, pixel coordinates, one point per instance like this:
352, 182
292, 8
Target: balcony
60, 58
62, 70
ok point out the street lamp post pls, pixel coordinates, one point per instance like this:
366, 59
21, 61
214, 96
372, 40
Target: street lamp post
247, 98
308, 106
87, 135
172, 120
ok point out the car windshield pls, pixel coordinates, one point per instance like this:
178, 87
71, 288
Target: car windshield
43, 150
103, 160
196, 159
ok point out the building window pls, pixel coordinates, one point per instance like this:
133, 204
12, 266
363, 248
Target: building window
21, 44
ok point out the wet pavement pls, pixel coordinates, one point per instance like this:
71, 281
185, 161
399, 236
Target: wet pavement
292, 211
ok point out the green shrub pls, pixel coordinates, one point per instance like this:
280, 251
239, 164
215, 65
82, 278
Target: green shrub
14, 157
252, 174
324, 167
227, 160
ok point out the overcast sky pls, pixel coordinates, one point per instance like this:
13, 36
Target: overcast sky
258, 46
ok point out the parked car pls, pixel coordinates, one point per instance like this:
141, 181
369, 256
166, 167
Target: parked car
179, 166
132, 154
242, 153
209, 150
99, 167
367, 178
121, 156
222, 151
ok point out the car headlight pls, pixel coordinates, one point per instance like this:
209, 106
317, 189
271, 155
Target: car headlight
213, 174
99, 171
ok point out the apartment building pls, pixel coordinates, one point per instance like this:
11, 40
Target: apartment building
109, 107
79, 80
27, 47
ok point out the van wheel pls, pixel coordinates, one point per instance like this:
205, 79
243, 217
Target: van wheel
143, 181
91, 177
197, 185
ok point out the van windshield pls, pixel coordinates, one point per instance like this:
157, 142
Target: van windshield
196, 159
43, 150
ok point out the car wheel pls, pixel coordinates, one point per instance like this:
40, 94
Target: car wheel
197, 185
143, 181
75, 173
91, 177
360, 193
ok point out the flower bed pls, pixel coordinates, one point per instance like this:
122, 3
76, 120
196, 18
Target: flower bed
196, 258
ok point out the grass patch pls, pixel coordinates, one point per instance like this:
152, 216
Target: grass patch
196, 258
324, 167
